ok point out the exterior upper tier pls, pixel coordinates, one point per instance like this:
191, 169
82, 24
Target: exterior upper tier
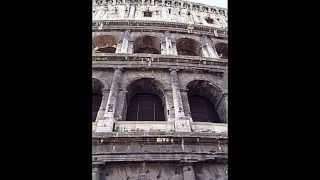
172, 11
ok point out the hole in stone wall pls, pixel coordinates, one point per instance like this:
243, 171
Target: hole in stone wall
147, 44
188, 47
147, 14
105, 44
202, 97
222, 50
209, 20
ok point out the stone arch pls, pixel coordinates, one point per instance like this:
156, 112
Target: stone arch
97, 94
105, 44
188, 47
147, 44
204, 100
222, 50
145, 100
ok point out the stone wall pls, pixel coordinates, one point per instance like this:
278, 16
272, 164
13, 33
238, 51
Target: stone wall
174, 48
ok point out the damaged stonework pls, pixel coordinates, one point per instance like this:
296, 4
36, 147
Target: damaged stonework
131, 155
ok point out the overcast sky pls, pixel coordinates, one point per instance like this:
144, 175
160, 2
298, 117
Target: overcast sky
219, 3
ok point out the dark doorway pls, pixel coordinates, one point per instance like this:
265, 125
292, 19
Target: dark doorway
145, 107
202, 110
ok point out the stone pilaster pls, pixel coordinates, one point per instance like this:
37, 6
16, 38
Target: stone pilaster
182, 123
124, 45
208, 47
105, 95
169, 105
106, 125
188, 172
187, 111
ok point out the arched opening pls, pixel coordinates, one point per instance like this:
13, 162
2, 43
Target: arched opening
188, 47
145, 101
105, 44
147, 44
203, 96
222, 50
97, 87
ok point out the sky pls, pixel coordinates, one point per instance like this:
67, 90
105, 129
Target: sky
219, 3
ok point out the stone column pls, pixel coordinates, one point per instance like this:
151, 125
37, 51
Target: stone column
105, 95
163, 46
132, 11
125, 42
188, 172
169, 105
106, 125
95, 173
114, 2
182, 123
187, 111
208, 46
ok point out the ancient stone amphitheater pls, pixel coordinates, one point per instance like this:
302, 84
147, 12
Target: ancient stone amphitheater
160, 95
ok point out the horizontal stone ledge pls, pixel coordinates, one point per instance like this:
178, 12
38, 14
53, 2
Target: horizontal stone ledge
156, 57
219, 70
184, 27
102, 135
158, 157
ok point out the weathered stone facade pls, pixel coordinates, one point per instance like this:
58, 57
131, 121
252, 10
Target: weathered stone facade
175, 51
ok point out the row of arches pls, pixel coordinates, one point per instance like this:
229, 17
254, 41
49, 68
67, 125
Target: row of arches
146, 101
152, 45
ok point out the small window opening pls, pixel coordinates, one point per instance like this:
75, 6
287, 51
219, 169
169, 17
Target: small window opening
209, 20
147, 14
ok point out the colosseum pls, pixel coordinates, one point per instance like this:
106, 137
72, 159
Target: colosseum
160, 94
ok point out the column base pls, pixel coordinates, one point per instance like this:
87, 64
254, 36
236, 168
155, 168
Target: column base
105, 126
182, 125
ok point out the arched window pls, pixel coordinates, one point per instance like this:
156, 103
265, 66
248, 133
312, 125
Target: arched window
145, 101
188, 47
96, 98
202, 110
105, 44
147, 44
145, 107
222, 50
203, 97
